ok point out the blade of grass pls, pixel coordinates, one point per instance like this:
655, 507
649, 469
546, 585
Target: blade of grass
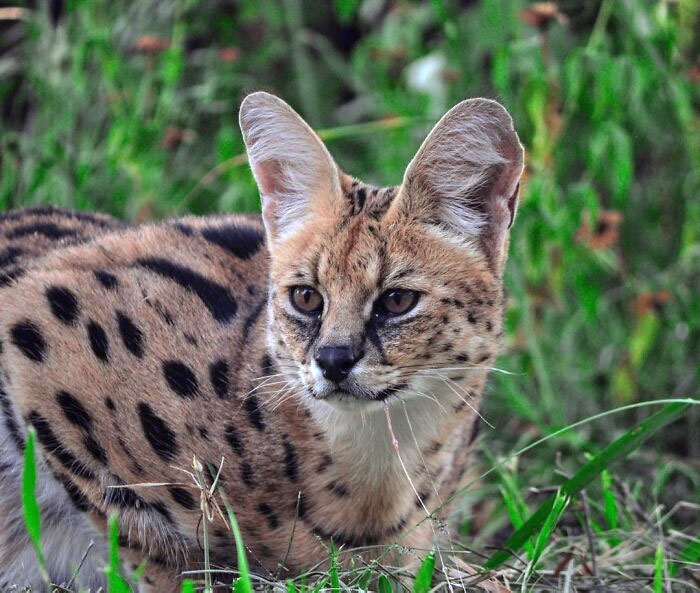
424, 578
561, 501
384, 585
115, 582
187, 586
243, 584
335, 579
617, 450
30, 507
609, 506
320, 585
659, 569
690, 553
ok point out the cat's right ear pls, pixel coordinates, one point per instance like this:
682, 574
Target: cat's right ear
295, 173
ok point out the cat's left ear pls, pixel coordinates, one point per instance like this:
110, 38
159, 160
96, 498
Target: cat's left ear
296, 174
465, 177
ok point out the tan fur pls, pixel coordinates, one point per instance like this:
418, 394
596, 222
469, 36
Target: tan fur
295, 460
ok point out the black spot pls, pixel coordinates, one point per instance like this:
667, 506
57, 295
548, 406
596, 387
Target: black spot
64, 304
434, 448
95, 449
98, 340
462, 357
48, 229
301, 506
471, 318
267, 366
204, 432
219, 377
476, 428
183, 228
484, 357
247, 474
252, 318
11, 423
337, 488
9, 256
489, 326
326, 462
109, 281
163, 511
422, 499
269, 513
234, 439
74, 410
123, 497
253, 408
242, 241
54, 447
109, 402
291, 459
7, 277
131, 335
180, 378
182, 497
27, 337
216, 298
158, 433
78, 499
361, 196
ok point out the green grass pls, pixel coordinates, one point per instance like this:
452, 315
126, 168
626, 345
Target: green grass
604, 270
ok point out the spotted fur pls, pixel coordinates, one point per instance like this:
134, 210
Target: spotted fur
133, 350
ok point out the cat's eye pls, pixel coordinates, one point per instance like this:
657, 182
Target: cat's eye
396, 302
306, 300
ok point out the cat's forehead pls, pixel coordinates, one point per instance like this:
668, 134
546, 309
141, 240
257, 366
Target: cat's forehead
362, 199
359, 246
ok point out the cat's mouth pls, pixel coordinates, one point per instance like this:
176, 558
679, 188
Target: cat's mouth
349, 393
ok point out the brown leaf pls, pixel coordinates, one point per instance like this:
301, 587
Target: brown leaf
229, 54
651, 301
150, 44
606, 232
543, 14
174, 136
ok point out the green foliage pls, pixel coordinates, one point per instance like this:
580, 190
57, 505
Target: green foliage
384, 585
243, 583
334, 576
543, 520
30, 506
115, 582
424, 578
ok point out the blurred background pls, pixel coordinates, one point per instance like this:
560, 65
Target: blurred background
131, 108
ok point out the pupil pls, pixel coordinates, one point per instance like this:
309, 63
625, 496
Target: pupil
397, 297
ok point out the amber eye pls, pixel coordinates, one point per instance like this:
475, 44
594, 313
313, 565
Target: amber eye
305, 299
397, 301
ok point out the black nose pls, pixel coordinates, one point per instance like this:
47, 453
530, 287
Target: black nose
336, 361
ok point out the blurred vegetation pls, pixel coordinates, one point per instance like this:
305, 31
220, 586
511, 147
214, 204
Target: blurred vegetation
131, 108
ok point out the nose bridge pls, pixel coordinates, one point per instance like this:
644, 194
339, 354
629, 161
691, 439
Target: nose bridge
343, 324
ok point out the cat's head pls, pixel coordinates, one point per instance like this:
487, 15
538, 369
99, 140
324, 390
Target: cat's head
377, 294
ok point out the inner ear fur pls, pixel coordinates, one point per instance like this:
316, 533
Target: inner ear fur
466, 174
294, 171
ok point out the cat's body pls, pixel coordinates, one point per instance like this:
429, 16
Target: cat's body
136, 350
